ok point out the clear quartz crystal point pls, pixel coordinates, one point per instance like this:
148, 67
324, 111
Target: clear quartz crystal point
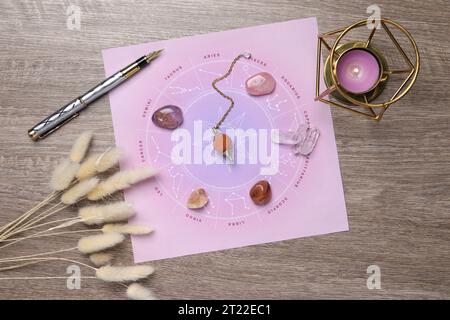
307, 145
229, 156
290, 137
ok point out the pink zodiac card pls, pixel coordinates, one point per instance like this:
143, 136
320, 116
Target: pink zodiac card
263, 192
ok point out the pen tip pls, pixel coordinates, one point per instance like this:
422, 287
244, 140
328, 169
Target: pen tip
153, 55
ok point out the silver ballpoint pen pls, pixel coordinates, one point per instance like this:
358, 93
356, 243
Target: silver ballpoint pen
73, 108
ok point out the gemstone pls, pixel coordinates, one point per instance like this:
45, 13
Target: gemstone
222, 142
223, 145
168, 117
260, 84
289, 136
306, 146
261, 193
198, 199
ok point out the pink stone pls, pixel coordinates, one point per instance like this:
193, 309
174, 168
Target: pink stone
260, 84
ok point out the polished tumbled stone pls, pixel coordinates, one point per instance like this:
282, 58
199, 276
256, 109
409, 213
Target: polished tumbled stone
260, 84
198, 199
261, 193
168, 117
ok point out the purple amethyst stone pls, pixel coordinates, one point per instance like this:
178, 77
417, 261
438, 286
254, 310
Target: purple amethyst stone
168, 117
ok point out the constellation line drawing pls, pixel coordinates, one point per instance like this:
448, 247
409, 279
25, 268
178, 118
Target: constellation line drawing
196, 74
182, 90
289, 159
162, 94
216, 75
275, 107
177, 179
245, 69
158, 150
235, 197
295, 123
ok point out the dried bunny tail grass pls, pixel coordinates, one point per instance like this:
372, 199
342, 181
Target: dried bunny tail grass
121, 274
87, 168
127, 229
78, 191
119, 181
138, 292
80, 147
99, 163
63, 174
100, 258
114, 212
99, 242
108, 159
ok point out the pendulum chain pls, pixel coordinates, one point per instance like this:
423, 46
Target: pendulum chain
222, 119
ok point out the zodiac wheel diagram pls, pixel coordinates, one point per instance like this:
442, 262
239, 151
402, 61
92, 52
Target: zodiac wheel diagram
227, 185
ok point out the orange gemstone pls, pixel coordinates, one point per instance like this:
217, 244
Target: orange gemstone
261, 193
222, 142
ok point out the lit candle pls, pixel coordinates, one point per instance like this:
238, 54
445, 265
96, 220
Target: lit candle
358, 71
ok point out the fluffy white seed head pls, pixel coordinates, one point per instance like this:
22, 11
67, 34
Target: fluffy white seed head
113, 212
63, 175
121, 274
87, 167
78, 191
132, 229
80, 147
100, 258
138, 292
119, 181
108, 159
100, 242
98, 163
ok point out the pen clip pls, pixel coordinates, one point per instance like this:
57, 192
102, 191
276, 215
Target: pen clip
60, 125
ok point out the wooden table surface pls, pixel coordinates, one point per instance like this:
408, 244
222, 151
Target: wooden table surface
396, 173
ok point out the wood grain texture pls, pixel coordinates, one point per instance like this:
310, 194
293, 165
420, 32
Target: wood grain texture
396, 173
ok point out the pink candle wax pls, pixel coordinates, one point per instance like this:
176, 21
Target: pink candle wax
358, 70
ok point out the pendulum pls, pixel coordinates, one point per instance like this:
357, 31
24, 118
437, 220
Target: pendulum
222, 143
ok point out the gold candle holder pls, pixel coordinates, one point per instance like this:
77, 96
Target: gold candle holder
363, 103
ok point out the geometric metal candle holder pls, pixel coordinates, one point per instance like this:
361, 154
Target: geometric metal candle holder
364, 103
